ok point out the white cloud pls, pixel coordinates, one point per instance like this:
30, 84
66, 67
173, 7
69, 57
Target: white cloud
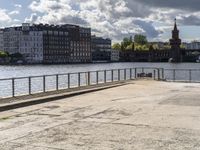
4, 16
15, 12
115, 18
18, 6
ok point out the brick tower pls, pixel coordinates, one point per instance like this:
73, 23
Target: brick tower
175, 43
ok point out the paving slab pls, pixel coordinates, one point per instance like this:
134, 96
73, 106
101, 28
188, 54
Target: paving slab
141, 115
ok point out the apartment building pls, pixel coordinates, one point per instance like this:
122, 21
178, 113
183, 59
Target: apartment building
26, 41
101, 49
49, 44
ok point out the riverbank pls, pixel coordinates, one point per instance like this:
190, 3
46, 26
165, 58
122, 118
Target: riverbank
141, 115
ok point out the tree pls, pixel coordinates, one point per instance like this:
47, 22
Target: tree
122, 47
3, 54
131, 47
151, 48
116, 46
126, 42
17, 55
140, 39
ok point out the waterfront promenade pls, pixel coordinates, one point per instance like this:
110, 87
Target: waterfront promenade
141, 115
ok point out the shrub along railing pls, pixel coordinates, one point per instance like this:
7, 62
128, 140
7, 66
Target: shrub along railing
12, 87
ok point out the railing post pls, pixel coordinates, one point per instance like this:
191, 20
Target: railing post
174, 75
57, 88
105, 76
68, 81
190, 75
118, 74
97, 77
163, 74
29, 85
142, 70
88, 78
112, 75
124, 74
44, 84
135, 73
79, 79
130, 73
13, 87
154, 74
158, 74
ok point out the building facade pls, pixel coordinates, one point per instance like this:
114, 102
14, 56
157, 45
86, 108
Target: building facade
1, 40
26, 41
195, 45
115, 55
101, 49
49, 44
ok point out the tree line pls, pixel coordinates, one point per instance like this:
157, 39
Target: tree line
139, 43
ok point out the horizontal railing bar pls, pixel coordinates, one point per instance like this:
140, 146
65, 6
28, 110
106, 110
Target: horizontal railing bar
72, 73
182, 69
40, 76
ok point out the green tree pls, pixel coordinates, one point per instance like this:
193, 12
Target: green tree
140, 39
131, 47
3, 54
182, 46
17, 55
127, 41
116, 46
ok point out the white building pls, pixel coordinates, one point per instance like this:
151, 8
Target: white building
1, 40
24, 40
114, 55
193, 45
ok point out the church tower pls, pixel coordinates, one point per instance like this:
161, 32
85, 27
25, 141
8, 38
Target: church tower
175, 43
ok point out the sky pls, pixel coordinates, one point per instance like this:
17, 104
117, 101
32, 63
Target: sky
113, 19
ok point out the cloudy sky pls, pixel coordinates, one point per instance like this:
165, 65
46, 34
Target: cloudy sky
109, 18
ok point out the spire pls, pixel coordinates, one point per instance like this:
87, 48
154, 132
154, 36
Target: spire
175, 26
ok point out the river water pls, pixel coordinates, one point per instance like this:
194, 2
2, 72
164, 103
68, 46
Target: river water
21, 85
24, 71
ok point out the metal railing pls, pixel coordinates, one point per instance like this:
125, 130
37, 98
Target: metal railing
12, 87
182, 75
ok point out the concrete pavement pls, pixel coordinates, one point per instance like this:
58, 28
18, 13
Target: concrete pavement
142, 115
